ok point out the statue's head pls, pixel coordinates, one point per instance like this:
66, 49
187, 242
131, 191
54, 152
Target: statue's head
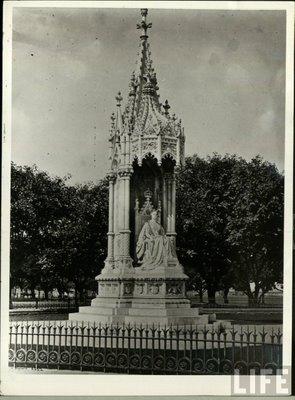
154, 215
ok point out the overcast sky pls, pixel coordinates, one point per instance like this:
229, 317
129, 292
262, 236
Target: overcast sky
223, 73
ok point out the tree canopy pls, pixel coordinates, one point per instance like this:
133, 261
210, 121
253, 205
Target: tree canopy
58, 231
230, 223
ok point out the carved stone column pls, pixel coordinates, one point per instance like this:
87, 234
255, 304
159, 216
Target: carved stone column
116, 217
168, 201
110, 260
172, 232
173, 204
111, 232
168, 204
127, 201
164, 203
124, 259
121, 202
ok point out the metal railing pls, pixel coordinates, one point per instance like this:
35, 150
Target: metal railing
52, 304
20, 303
237, 306
144, 350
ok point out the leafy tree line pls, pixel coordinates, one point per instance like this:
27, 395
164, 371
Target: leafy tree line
229, 228
58, 232
230, 225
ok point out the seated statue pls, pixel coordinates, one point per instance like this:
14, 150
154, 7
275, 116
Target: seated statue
153, 247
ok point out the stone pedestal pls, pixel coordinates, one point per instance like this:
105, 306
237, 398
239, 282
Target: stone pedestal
149, 298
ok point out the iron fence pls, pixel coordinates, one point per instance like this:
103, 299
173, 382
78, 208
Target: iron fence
144, 350
29, 303
237, 306
52, 304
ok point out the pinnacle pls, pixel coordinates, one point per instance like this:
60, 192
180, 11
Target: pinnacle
166, 107
119, 99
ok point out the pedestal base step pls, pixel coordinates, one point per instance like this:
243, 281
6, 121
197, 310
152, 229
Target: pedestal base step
167, 320
137, 315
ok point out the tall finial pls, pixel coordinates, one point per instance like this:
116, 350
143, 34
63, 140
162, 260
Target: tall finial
119, 98
143, 25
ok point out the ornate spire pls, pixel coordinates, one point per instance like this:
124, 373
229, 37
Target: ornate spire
147, 123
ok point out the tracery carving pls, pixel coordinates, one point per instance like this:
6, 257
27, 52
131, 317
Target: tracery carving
154, 288
128, 288
174, 288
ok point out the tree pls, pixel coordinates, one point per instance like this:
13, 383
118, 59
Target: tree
36, 202
58, 231
203, 204
195, 282
230, 224
255, 228
83, 236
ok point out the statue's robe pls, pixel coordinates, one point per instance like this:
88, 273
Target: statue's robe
153, 248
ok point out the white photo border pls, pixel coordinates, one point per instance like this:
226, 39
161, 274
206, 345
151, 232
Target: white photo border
140, 385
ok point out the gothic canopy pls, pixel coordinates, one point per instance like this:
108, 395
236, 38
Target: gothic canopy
145, 127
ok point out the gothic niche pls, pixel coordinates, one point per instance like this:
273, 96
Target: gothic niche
152, 186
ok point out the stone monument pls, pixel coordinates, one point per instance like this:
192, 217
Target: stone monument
142, 280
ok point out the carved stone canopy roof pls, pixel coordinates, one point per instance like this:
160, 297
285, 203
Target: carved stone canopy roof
145, 127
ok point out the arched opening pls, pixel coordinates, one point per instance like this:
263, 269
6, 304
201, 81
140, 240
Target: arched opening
147, 178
